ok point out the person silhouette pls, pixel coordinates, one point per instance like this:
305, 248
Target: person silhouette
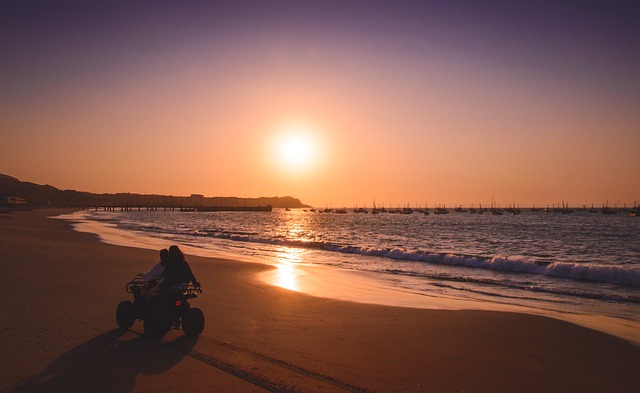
151, 279
177, 271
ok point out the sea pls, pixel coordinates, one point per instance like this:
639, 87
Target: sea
584, 263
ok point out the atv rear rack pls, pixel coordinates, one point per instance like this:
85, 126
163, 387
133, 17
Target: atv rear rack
138, 282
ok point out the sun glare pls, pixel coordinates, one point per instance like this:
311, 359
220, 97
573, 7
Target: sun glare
295, 148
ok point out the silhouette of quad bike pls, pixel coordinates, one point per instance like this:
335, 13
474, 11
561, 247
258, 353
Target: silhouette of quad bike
165, 309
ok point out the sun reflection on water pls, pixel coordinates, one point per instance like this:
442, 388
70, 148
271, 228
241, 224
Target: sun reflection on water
286, 260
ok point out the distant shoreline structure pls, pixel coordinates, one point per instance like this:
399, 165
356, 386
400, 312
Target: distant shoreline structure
267, 208
35, 195
16, 194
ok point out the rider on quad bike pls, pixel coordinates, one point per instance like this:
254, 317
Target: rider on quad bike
166, 305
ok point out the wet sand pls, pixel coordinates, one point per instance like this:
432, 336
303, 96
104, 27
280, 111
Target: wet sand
60, 289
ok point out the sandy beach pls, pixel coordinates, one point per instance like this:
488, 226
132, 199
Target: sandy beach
60, 289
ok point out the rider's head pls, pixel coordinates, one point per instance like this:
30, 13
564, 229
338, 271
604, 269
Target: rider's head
164, 256
176, 255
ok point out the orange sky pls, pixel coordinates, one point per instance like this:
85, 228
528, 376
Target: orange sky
401, 103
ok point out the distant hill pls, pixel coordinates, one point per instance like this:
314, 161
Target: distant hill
46, 195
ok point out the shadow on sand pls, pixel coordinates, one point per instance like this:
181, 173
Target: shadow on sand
107, 363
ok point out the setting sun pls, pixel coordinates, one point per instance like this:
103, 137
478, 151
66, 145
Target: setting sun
295, 148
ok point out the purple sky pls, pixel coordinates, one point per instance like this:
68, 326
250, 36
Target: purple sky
533, 102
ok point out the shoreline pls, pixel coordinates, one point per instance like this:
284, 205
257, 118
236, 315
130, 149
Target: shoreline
360, 287
59, 327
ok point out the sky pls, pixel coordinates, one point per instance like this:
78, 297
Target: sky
337, 103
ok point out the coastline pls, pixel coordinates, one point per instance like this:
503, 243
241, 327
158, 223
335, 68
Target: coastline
63, 287
357, 286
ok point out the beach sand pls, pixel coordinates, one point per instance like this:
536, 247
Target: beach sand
60, 289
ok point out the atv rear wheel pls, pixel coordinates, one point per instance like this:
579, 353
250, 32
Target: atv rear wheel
193, 322
125, 314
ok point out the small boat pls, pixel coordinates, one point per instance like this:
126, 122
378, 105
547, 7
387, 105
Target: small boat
441, 210
407, 210
565, 209
607, 210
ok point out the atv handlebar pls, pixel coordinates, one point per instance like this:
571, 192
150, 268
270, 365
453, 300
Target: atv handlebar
136, 282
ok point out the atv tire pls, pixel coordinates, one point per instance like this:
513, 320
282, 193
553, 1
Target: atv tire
125, 314
193, 322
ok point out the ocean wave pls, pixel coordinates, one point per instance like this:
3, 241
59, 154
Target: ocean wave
575, 293
576, 271
587, 272
445, 281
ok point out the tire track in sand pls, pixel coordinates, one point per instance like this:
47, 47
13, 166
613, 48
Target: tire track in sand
266, 372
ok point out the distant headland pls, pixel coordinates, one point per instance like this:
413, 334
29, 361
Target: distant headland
20, 193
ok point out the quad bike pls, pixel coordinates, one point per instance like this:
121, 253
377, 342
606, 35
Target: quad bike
164, 309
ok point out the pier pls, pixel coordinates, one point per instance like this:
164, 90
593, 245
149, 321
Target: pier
267, 208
